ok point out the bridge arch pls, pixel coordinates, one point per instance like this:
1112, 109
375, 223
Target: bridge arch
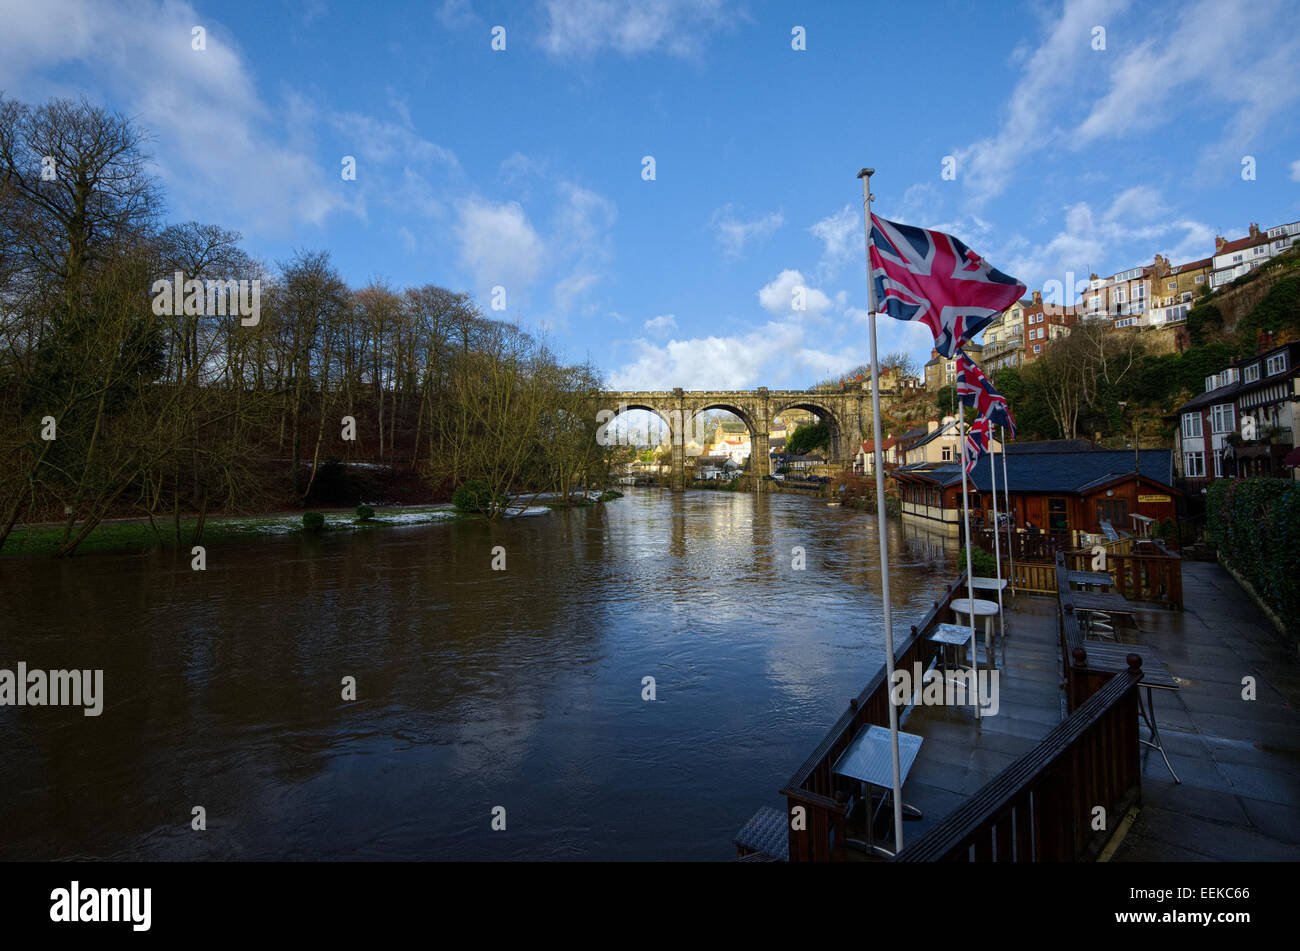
835, 426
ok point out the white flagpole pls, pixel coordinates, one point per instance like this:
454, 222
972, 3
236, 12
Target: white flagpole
882, 527
970, 556
1011, 522
997, 547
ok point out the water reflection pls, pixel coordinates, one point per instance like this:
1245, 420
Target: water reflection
476, 688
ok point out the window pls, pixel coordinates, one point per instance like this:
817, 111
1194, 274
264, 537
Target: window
1192, 425
1171, 285
1252, 373
947, 453
1221, 418
1211, 383
1184, 297
1194, 465
1218, 463
1200, 279
1058, 518
1114, 511
1275, 364
1038, 348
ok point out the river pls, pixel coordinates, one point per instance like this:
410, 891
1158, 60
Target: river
476, 688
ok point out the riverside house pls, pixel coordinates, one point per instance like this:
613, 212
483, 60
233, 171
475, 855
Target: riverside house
1247, 422
1059, 493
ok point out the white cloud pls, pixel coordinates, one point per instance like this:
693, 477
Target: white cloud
583, 221
733, 233
1071, 96
583, 28
498, 244
571, 288
1051, 74
779, 296
732, 362
842, 238
662, 324
1136, 225
1250, 65
212, 131
457, 15
1295, 171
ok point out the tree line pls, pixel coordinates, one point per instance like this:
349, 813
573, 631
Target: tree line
113, 401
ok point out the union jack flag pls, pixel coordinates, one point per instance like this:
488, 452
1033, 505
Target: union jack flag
976, 390
934, 278
977, 443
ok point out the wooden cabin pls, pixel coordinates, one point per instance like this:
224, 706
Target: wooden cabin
1061, 493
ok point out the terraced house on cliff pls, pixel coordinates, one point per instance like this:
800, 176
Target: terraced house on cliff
1247, 422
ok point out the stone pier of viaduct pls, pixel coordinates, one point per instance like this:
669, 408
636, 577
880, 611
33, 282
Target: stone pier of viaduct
843, 413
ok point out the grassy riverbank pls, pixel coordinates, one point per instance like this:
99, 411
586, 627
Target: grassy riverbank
135, 535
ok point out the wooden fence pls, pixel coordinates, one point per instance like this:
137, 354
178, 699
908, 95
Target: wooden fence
824, 796
1040, 808
1145, 575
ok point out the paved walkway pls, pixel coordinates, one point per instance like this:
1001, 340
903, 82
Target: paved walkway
1239, 760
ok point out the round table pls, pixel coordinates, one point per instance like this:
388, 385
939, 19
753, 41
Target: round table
981, 608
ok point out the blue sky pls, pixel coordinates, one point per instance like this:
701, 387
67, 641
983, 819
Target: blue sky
523, 167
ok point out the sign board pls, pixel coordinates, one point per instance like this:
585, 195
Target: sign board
1154, 498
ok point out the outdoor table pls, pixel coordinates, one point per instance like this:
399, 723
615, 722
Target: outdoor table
951, 635
870, 761
1096, 579
999, 585
1155, 676
1103, 602
981, 608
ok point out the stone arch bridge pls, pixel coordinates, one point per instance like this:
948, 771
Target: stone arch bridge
843, 413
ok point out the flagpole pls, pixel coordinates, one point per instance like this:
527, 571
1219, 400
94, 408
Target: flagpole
881, 525
997, 548
970, 557
1011, 522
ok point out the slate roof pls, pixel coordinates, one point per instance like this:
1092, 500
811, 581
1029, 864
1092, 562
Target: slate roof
1231, 392
1053, 445
1065, 472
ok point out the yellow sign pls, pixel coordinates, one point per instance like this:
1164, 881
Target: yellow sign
1153, 498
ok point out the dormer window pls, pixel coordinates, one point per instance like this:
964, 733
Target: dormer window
1211, 383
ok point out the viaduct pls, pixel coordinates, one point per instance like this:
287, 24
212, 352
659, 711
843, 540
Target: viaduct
843, 413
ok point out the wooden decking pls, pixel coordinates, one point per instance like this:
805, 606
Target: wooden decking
1239, 760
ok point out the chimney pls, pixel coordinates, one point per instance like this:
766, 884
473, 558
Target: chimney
1218, 243
931, 425
1038, 297
1254, 229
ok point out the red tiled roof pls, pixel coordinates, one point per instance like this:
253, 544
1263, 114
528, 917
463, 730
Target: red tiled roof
1241, 243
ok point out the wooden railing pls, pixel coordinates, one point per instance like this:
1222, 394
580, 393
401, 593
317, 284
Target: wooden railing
824, 796
1148, 575
1025, 546
1032, 577
1041, 807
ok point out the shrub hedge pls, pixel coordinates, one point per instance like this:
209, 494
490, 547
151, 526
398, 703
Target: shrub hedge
986, 566
1255, 525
